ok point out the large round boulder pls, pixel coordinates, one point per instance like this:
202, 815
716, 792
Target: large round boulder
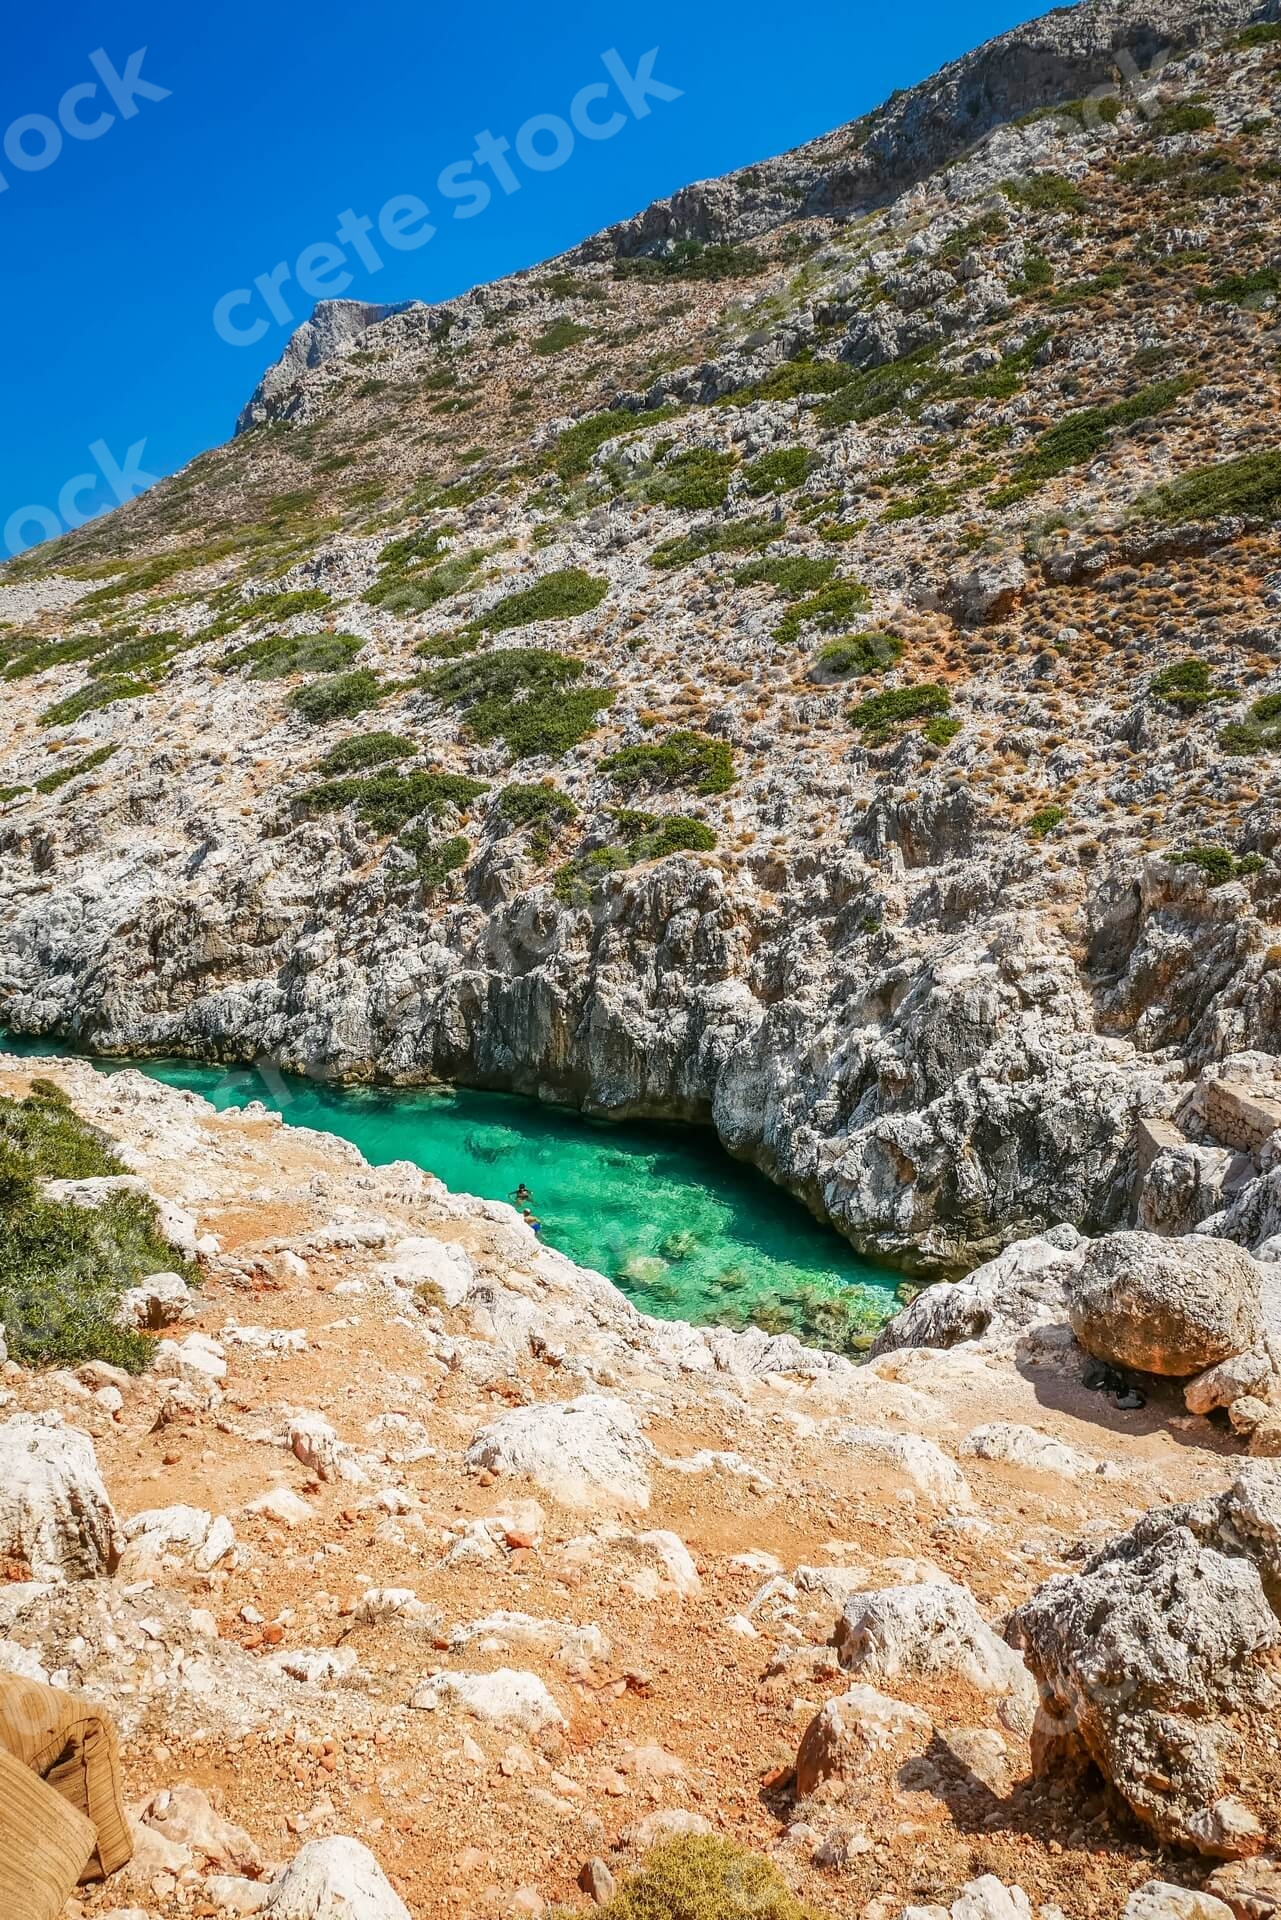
1163, 1306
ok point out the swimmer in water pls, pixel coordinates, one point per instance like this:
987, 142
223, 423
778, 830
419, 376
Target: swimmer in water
522, 1195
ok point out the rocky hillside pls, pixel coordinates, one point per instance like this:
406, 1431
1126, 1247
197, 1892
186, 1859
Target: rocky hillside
423, 1575
804, 662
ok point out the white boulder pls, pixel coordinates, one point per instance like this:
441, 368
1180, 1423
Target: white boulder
581, 1452
55, 1517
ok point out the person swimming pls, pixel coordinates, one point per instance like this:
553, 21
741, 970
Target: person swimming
522, 1195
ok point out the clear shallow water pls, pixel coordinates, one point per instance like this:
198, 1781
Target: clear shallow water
686, 1232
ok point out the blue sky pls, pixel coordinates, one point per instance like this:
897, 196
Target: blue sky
277, 120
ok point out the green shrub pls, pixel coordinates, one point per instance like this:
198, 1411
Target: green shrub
646, 836
1045, 820
366, 750
525, 696
1037, 273
276, 656
557, 596
1187, 685
735, 536
523, 804
89, 698
1216, 863
1044, 193
572, 454
827, 610
543, 809
434, 861
1075, 440
879, 716
64, 1268
695, 478
396, 591
34, 656
781, 470
702, 1877
858, 653
11, 793
1250, 484
682, 759
1185, 116
340, 697
1259, 732
941, 730
1264, 33
147, 653
802, 378
989, 226
694, 260
560, 335
793, 574
388, 801
60, 776
1243, 288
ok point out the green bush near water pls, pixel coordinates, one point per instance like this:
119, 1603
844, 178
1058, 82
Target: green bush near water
64, 1268
645, 836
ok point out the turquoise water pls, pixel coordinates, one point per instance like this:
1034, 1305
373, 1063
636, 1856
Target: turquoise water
687, 1232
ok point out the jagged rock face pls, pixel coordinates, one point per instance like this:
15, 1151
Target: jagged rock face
332, 331
1157, 1663
1062, 56
928, 975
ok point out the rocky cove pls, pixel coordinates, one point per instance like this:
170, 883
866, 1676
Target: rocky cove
803, 666
685, 1233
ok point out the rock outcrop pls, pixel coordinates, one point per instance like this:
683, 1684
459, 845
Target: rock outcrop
1157, 1663
1166, 1306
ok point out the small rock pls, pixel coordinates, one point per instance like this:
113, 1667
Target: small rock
596, 1880
1160, 1900
335, 1879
